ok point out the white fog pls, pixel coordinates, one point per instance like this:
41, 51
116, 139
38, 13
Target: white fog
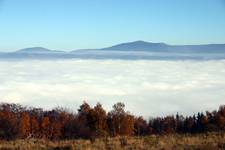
148, 88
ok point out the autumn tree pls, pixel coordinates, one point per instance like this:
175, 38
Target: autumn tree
56, 123
119, 121
71, 127
34, 127
24, 126
45, 127
97, 121
169, 124
22, 122
83, 129
140, 126
8, 121
220, 118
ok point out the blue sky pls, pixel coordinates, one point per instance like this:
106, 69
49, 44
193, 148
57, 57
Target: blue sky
75, 24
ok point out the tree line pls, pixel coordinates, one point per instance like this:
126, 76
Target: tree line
18, 122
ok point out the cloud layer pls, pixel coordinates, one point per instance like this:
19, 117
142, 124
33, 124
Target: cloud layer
148, 88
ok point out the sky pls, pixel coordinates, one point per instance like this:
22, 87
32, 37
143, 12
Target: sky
77, 24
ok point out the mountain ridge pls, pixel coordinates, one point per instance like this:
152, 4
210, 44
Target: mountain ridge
126, 51
163, 47
138, 46
135, 45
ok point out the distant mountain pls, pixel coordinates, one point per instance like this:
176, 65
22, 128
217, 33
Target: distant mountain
162, 47
36, 50
141, 46
138, 46
131, 51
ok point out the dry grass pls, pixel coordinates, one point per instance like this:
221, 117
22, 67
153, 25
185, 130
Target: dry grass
208, 141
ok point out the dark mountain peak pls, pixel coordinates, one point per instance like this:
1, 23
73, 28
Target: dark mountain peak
140, 42
137, 45
143, 42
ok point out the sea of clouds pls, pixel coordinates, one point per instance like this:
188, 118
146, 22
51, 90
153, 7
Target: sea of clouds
148, 88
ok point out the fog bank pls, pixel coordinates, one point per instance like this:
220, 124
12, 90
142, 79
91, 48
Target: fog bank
148, 88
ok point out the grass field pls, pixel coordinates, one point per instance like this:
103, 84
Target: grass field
208, 141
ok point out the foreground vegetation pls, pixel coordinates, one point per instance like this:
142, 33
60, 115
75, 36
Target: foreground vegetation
207, 141
17, 122
23, 128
